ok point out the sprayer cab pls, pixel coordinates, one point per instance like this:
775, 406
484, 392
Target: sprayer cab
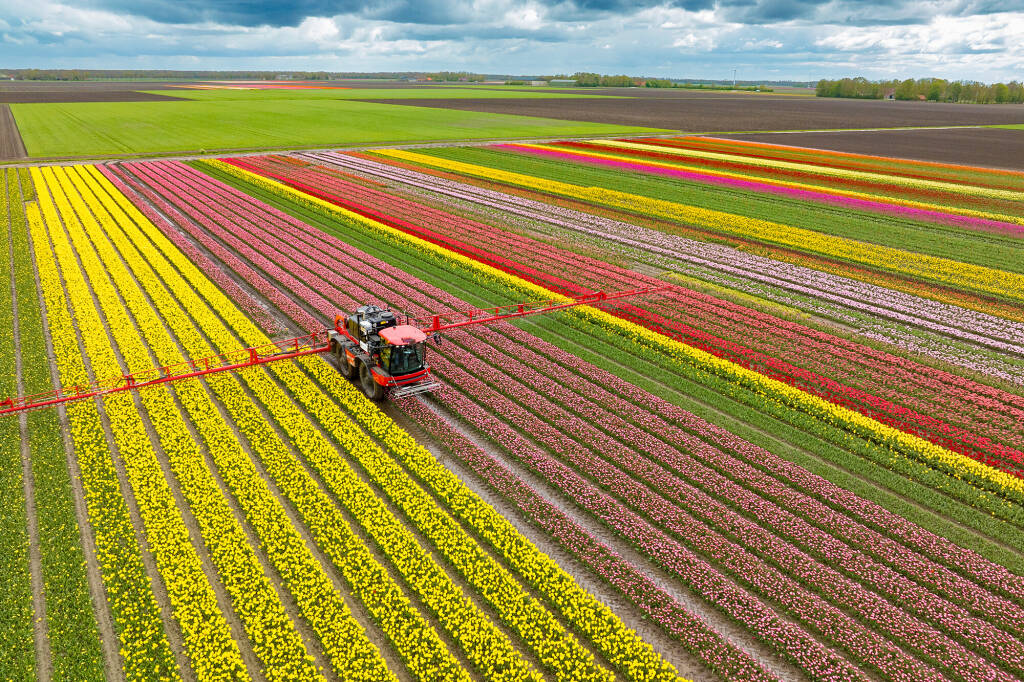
380, 354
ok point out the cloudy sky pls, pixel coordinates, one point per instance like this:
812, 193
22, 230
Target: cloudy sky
761, 39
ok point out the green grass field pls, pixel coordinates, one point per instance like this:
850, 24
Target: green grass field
100, 129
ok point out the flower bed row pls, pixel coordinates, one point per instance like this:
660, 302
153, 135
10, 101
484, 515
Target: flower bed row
833, 172
857, 201
212, 650
145, 651
927, 170
577, 267
447, 268
527, 622
323, 285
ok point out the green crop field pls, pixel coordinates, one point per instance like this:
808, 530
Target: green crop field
125, 128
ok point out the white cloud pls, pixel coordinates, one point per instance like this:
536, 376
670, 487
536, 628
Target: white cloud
838, 38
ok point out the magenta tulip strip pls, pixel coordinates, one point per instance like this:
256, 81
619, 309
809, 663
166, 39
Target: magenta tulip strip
768, 188
761, 539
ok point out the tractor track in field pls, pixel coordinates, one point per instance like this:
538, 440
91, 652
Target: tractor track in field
11, 144
172, 629
686, 663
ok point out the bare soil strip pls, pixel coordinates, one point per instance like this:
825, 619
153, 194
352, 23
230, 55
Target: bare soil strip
11, 144
993, 147
702, 113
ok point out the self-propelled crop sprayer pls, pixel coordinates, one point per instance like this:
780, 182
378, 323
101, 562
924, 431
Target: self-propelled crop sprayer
373, 346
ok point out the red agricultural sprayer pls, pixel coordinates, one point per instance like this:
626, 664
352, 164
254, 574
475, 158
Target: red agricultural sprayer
387, 357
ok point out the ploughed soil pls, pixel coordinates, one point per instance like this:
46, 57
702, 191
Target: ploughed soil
993, 147
16, 92
691, 111
11, 146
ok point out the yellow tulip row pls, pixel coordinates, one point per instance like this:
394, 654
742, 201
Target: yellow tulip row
413, 637
954, 273
145, 651
921, 183
610, 636
346, 644
212, 650
344, 641
274, 638
895, 201
900, 443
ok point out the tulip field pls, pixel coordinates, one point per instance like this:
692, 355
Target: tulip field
801, 459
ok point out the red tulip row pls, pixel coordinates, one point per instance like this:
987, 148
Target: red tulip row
597, 274
571, 268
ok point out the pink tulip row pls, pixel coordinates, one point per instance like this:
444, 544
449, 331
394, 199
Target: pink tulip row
309, 268
240, 297
951, 554
296, 257
734, 320
708, 524
719, 655
933, 429
764, 187
802, 518
753, 270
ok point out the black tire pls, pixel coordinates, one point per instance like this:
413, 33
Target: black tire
371, 388
346, 369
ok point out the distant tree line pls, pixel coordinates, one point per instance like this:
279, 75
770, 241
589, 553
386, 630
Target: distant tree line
593, 80
930, 89
456, 76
